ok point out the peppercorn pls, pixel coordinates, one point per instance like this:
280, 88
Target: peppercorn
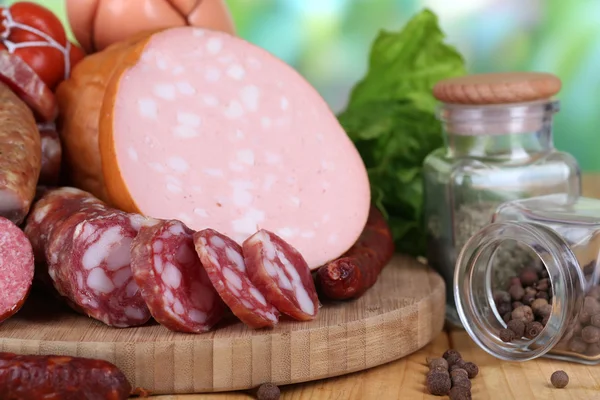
516, 304
523, 313
460, 380
503, 308
528, 276
517, 326
590, 334
542, 285
533, 329
537, 304
595, 320
516, 292
438, 384
559, 379
472, 369
514, 281
506, 335
452, 356
438, 362
591, 306
542, 295
459, 393
528, 299
593, 349
459, 371
577, 345
501, 296
268, 391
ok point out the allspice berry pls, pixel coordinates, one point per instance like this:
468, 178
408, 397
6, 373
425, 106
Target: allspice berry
438, 369
514, 281
577, 345
506, 317
438, 384
517, 326
533, 329
501, 296
472, 369
544, 311
528, 276
528, 299
590, 334
503, 308
506, 335
538, 304
460, 393
452, 356
461, 381
459, 372
268, 391
543, 285
516, 304
595, 320
438, 362
523, 313
542, 295
516, 292
591, 306
559, 379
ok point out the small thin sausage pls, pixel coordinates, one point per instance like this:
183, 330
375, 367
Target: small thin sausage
20, 156
35, 377
351, 275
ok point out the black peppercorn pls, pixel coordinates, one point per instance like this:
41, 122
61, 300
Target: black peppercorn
517, 326
438, 384
268, 391
559, 379
533, 329
472, 369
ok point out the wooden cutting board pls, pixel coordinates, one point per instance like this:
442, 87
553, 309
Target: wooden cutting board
402, 313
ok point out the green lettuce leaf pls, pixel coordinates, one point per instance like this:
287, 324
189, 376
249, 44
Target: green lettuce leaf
390, 117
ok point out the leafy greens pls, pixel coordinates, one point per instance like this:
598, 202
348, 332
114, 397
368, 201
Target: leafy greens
390, 117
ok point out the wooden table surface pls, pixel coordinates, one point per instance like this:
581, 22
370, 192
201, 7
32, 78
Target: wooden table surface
405, 378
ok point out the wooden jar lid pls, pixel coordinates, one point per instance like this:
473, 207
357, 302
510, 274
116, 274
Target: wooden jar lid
497, 88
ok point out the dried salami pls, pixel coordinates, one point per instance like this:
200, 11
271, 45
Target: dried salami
280, 272
172, 280
89, 263
52, 208
223, 261
20, 156
51, 154
52, 377
16, 268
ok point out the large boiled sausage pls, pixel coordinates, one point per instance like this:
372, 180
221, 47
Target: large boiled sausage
223, 134
20, 156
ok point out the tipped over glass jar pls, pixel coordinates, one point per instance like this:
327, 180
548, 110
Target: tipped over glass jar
499, 147
548, 307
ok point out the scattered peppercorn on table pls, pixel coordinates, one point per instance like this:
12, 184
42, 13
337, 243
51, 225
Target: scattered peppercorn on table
405, 378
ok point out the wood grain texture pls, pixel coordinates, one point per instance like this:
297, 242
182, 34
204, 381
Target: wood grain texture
399, 315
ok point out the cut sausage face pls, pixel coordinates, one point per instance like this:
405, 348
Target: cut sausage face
16, 268
281, 273
226, 136
172, 280
222, 258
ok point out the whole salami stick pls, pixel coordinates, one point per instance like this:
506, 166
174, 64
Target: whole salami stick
357, 270
20, 156
33, 377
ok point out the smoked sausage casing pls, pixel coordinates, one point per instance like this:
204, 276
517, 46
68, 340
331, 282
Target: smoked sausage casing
20, 156
33, 377
358, 269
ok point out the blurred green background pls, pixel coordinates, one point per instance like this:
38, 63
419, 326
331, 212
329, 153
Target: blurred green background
328, 42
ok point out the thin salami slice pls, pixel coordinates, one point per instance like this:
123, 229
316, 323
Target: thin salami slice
27, 84
172, 280
89, 262
16, 268
222, 258
280, 272
52, 208
51, 154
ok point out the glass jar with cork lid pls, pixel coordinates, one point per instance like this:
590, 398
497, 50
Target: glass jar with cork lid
549, 307
498, 147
